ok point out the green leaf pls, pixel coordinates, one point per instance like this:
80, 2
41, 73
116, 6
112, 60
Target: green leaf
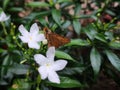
16, 9
115, 45
109, 35
2, 50
19, 69
83, 16
66, 24
37, 4
113, 73
113, 58
73, 70
38, 79
101, 37
56, 15
5, 63
63, 55
95, 59
77, 26
110, 12
62, 1
90, 31
21, 84
66, 82
2, 82
42, 21
78, 42
5, 2
77, 9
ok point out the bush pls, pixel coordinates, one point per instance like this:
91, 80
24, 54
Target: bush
84, 36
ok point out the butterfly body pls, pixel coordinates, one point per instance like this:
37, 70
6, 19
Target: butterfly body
55, 39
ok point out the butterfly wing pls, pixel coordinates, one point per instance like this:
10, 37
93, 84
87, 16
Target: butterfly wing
55, 39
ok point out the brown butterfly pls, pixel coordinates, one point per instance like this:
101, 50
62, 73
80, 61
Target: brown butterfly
55, 39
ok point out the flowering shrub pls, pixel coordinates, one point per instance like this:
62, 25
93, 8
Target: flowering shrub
30, 61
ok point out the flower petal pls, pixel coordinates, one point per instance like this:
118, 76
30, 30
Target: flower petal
40, 37
53, 77
6, 18
3, 16
34, 29
1, 19
40, 59
43, 72
33, 44
24, 39
22, 30
50, 53
59, 65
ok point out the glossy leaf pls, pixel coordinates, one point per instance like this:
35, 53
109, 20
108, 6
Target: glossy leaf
114, 59
42, 21
63, 55
78, 42
5, 3
66, 82
5, 63
16, 9
62, 1
95, 59
66, 24
73, 70
109, 35
37, 4
77, 10
56, 14
19, 69
110, 12
77, 26
84, 16
114, 45
101, 37
90, 31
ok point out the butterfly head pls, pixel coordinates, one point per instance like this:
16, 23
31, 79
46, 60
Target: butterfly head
46, 30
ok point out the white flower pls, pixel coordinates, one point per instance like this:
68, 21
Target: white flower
48, 66
33, 37
3, 17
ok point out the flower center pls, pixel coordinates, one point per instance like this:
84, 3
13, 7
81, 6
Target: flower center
48, 64
30, 38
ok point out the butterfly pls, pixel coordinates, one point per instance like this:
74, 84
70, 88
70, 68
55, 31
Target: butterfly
55, 39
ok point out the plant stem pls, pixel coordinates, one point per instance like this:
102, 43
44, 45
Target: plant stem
4, 29
16, 41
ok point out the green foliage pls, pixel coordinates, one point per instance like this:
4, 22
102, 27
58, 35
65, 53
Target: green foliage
94, 44
60, 54
95, 60
77, 26
67, 83
56, 14
37, 4
115, 61
20, 84
78, 42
